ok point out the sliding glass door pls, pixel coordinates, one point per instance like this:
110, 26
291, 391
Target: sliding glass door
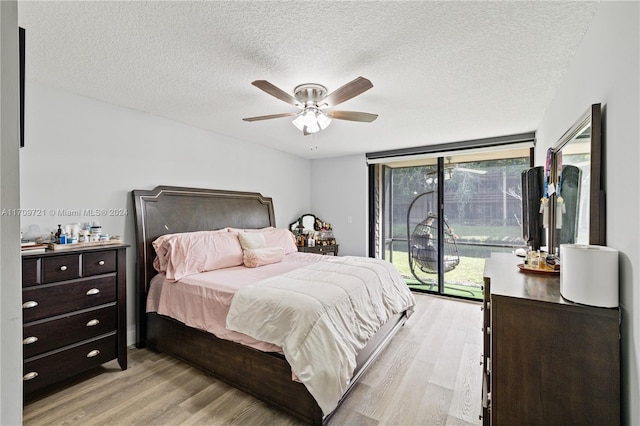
483, 208
441, 217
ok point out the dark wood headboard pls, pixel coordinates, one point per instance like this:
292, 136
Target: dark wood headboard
171, 209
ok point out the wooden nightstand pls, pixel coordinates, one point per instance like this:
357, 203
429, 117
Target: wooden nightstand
331, 250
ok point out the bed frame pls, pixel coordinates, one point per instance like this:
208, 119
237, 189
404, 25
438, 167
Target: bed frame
266, 376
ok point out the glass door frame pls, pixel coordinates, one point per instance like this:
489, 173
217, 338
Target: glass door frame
376, 246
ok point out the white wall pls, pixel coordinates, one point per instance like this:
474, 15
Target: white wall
339, 196
10, 271
84, 154
606, 70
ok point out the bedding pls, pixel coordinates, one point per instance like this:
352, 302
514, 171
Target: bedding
322, 315
202, 300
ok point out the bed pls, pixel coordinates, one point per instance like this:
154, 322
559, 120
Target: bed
264, 374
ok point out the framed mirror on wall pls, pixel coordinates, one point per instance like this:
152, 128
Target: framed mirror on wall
577, 213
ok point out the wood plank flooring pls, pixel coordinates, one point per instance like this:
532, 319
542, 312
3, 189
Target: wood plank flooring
430, 374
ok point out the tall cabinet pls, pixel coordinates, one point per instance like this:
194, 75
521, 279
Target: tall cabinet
546, 360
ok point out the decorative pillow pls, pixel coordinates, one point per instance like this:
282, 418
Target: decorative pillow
252, 240
195, 252
262, 256
280, 237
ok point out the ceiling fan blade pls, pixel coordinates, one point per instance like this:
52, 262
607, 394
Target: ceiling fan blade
269, 117
275, 91
348, 91
351, 115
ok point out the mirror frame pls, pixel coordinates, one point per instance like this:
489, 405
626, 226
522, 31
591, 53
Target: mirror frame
597, 223
294, 225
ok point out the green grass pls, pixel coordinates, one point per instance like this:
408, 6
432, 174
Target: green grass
473, 233
466, 277
493, 233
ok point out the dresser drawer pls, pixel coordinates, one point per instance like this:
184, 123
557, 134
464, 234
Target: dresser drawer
45, 301
30, 272
97, 263
328, 250
45, 370
60, 268
45, 335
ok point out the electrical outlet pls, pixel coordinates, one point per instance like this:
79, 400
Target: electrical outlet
349, 219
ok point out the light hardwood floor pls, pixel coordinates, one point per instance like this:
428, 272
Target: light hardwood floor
430, 374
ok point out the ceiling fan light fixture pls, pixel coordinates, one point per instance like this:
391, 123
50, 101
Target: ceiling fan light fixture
310, 98
311, 120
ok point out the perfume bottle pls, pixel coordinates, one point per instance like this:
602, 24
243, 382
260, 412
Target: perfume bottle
57, 235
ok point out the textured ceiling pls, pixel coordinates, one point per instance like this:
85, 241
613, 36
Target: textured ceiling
441, 71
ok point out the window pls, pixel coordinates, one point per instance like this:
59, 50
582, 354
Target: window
437, 218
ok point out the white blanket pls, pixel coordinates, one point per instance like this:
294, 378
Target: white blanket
322, 315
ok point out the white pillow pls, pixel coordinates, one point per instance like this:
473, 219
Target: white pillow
252, 240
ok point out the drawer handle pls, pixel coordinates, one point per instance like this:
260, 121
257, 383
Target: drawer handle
93, 353
29, 340
63, 268
30, 304
29, 376
92, 292
93, 322
101, 263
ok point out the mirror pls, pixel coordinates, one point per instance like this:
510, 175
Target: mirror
577, 208
305, 224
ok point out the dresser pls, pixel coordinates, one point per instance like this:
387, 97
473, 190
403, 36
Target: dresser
546, 361
328, 250
74, 313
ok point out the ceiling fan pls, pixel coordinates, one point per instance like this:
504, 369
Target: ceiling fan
312, 99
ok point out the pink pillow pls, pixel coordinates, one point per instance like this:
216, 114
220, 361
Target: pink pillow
262, 256
274, 237
195, 252
162, 249
280, 237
